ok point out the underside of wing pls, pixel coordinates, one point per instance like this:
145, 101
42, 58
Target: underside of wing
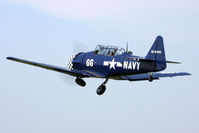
94, 74
50, 67
147, 76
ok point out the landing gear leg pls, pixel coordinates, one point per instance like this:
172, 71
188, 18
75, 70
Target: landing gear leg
102, 88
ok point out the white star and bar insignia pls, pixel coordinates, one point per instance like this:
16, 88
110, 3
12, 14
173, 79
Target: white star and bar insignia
112, 64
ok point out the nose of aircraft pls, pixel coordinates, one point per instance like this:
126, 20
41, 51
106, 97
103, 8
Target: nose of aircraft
70, 61
74, 60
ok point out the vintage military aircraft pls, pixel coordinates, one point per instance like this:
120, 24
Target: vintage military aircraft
111, 62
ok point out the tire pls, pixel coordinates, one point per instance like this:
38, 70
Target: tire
80, 82
101, 89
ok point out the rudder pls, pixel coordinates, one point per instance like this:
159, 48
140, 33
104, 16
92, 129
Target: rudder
157, 54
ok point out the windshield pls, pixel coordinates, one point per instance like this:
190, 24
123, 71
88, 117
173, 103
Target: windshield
108, 50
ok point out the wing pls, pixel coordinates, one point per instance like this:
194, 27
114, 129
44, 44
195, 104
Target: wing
157, 75
76, 73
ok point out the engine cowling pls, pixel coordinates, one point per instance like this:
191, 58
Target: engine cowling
70, 61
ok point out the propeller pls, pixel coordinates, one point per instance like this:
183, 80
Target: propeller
77, 48
67, 79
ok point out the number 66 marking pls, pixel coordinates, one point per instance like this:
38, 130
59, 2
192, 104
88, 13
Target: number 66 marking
89, 62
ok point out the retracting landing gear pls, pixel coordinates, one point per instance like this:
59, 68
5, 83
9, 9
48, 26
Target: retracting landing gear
80, 82
102, 88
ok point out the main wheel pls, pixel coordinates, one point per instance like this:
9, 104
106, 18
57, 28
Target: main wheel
101, 89
80, 82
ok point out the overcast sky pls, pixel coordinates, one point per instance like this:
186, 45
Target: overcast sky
36, 100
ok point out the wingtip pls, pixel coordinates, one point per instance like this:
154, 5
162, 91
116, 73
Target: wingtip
11, 58
189, 74
8, 58
186, 73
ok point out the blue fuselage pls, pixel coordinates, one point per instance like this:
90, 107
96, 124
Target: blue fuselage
110, 66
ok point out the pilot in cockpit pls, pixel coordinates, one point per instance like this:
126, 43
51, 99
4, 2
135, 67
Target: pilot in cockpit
108, 50
113, 52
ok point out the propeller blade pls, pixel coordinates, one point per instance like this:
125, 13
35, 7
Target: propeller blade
79, 47
67, 79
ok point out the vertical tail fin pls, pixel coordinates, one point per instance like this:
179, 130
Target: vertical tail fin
157, 54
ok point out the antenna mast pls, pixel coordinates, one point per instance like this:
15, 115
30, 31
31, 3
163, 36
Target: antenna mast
127, 45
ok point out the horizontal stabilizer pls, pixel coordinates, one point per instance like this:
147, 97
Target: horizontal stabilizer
173, 62
157, 75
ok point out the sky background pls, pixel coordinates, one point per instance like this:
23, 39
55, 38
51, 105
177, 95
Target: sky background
36, 100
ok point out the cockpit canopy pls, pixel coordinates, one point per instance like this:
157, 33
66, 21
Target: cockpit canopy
109, 50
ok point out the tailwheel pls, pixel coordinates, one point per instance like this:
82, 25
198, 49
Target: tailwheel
150, 77
101, 89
